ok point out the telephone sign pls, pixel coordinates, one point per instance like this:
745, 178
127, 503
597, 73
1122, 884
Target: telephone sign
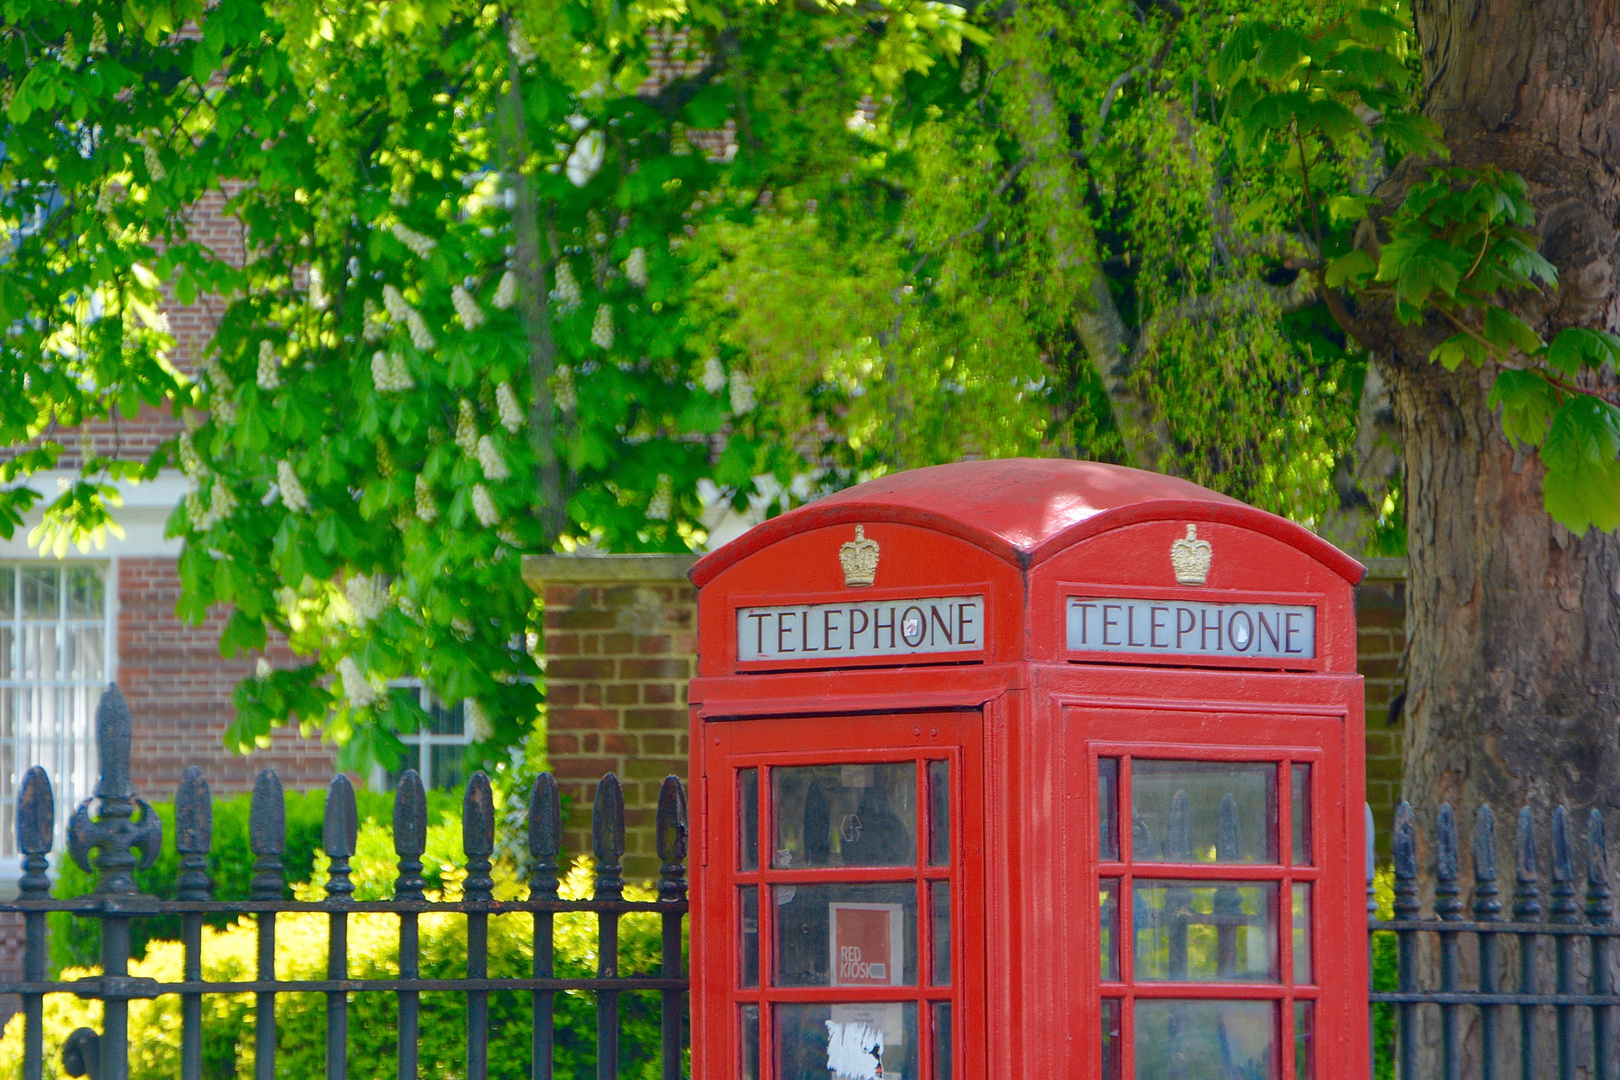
1027, 768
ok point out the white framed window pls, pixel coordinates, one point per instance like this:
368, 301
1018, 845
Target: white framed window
56, 657
438, 749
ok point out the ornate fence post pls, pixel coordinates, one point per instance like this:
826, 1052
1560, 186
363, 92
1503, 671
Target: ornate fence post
478, 842
1564, 912
340, 826
1448, 905
115, 835
36, 821
545, 848
1487, 909
1407, 909
267, 837
672, 841
1527, 909
410, 841
193, 836
607, 838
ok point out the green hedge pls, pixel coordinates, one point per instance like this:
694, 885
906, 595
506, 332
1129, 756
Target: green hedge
75, 942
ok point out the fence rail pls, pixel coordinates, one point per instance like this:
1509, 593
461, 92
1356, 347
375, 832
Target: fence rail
116, 834
1528, 996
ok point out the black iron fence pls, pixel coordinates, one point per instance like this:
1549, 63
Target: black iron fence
118, 832
1481, 990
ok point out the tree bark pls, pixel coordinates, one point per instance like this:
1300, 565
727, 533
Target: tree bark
1512, 622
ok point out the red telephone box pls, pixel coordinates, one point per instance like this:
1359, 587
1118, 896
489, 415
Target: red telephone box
1024, 769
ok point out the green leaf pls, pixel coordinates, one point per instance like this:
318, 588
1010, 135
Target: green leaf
1411, 133
1575, 346
1528, 403
1507, 331
1350, 268
1282, 51
1582, 484
1451, 352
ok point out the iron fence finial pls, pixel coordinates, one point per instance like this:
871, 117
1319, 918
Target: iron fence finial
478, 837
607, 838
1447, 902
410, 835
267, 836
1487, 908
115, 833
340, 828
672, 839
545, 837
1599, 910
36, 819
193, 834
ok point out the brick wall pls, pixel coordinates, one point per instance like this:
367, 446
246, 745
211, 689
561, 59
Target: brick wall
1380, 648
179, 690
620, 643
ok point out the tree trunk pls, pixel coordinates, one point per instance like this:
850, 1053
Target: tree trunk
1514, 633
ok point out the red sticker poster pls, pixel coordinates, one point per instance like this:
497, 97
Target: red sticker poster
867, 944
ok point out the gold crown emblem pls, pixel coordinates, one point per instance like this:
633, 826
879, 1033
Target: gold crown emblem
1190, 558
859, 558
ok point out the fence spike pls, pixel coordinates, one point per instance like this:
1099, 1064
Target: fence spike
267, 835
1564, 908
1178, 829
607, 838
1142, 845
545, 837
1526, 895
115, 831
1404, 847
193, 834
410, 835
1447, 903
36, 820
1599, 911
340, 828
478, 837
672, 839
1487, 908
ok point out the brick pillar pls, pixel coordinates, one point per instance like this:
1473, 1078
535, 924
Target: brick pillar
620, 645
1380, 646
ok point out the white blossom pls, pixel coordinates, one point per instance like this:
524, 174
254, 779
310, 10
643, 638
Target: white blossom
478, 725
505, 292
269, 375
461, 627
224, 410
467, 428
420, 246
522, 51
389, 373
635, 268
602, 327
190, 463
317, 289
221, 502
567, 395
467, 309
261, 668
971, 71
484, 507
506, 403
662, 503
104, 200
426, 508
371, 328
742, 393
421, 336
292, 490
366, 596
98, 36
394, 303
586, 159
489, 457
566, 295
154, 164
356, 688
714, 375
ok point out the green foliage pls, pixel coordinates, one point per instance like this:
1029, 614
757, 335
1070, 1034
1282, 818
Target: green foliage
229, 954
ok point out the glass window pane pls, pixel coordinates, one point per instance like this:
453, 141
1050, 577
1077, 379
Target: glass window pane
8, 591
939, 905
1304, 1039
1108, 809
748, 819
1190, 931
939, 813
1300, 795
750, 1042
1205, 1040
1108, 900
846, 935
1303, 968
944, 1047
749, 960
446, 766
84, 595
446, 719
8, 668
1110, 1040
1203, 811
39, 595
845, 815
846, 1042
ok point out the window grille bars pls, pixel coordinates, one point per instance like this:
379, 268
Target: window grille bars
117, 832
